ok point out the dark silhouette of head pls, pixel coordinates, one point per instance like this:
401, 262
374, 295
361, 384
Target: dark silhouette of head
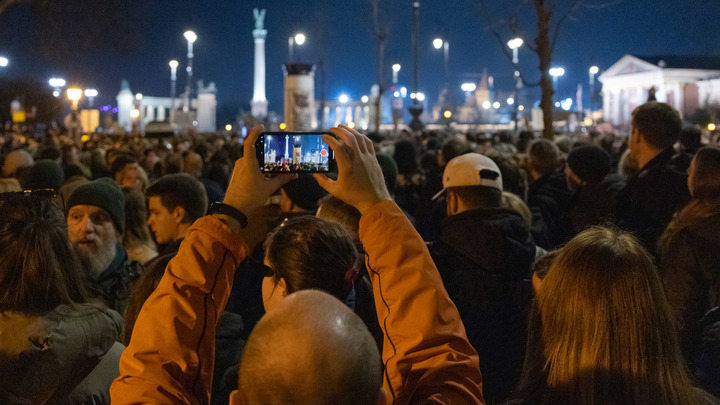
659, 124
39, 269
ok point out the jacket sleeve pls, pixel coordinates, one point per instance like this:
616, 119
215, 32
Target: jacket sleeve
426, 353
171, 353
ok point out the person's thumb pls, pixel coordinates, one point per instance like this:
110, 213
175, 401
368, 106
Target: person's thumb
324, 182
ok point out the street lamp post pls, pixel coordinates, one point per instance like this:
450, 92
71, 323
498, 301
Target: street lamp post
191, 38
74, 95
73, 124
91, 94
173, 83
515, 44
299, 39
416, 108
555, 73
56, 83
396, 70
441, 43
592, 72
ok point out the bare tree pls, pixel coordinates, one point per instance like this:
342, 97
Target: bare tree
551, 16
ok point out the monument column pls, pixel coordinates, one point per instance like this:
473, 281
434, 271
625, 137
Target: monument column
259, 104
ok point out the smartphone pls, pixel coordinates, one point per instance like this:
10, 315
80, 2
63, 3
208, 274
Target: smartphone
294, 152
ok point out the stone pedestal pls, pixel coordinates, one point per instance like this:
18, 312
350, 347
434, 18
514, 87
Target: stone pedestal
299, 100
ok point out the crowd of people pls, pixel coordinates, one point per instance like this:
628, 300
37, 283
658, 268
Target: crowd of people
434, 267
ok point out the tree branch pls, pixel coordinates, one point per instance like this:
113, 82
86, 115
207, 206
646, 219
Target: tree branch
576, 4
503, 44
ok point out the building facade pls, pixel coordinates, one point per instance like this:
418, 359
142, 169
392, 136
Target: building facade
686, 83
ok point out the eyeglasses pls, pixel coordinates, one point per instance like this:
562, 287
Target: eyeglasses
266, 270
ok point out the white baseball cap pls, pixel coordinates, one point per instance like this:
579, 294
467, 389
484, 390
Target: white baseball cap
471, 169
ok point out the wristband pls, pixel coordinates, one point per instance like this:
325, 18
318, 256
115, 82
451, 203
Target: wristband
229, 210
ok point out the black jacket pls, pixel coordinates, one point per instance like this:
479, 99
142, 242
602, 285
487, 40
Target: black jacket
549, 199
593, 204
647, 203
485, 257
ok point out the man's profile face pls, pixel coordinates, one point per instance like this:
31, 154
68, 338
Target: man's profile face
161, 221
93, 235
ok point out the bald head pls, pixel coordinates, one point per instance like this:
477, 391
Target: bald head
310, 349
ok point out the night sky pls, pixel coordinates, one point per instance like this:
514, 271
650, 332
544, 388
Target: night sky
224, 49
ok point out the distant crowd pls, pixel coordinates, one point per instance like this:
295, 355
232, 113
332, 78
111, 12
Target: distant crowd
432, 267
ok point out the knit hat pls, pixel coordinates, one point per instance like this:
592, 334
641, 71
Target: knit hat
305, 192
590, 163
471, 169
103, 193
43, 174
389, 170
15, 160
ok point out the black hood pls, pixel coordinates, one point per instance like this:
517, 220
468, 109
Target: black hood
496, 240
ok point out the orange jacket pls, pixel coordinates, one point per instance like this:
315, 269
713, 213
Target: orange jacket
171, 353
426, 354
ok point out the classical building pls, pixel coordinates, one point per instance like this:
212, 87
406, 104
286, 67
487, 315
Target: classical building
202, 114
686, 83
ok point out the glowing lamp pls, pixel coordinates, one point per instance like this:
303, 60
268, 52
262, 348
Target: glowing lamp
74, 94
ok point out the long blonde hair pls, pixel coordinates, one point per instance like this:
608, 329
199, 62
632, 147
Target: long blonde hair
602, 330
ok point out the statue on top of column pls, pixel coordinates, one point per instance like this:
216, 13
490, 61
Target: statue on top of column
259, 18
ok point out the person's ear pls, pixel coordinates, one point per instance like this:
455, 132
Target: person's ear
235, 398
452, 203
636, 137
178, 214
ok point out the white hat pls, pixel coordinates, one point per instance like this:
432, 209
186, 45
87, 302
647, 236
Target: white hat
471, 169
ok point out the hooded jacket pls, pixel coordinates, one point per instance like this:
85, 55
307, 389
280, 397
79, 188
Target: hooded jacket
485, 257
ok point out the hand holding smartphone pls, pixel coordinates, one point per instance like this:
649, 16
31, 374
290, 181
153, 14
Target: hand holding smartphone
294, 152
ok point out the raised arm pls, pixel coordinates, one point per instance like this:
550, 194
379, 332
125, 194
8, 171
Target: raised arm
170, 356
426, 353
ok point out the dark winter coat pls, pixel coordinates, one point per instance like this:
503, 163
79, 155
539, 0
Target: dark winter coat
647, 203
549, 199
689, 254
485, 257
115, 283
594, 204
68, 356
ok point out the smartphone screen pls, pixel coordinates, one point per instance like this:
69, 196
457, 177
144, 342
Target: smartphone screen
294, 152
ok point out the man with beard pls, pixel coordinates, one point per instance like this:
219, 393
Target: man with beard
95, 219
